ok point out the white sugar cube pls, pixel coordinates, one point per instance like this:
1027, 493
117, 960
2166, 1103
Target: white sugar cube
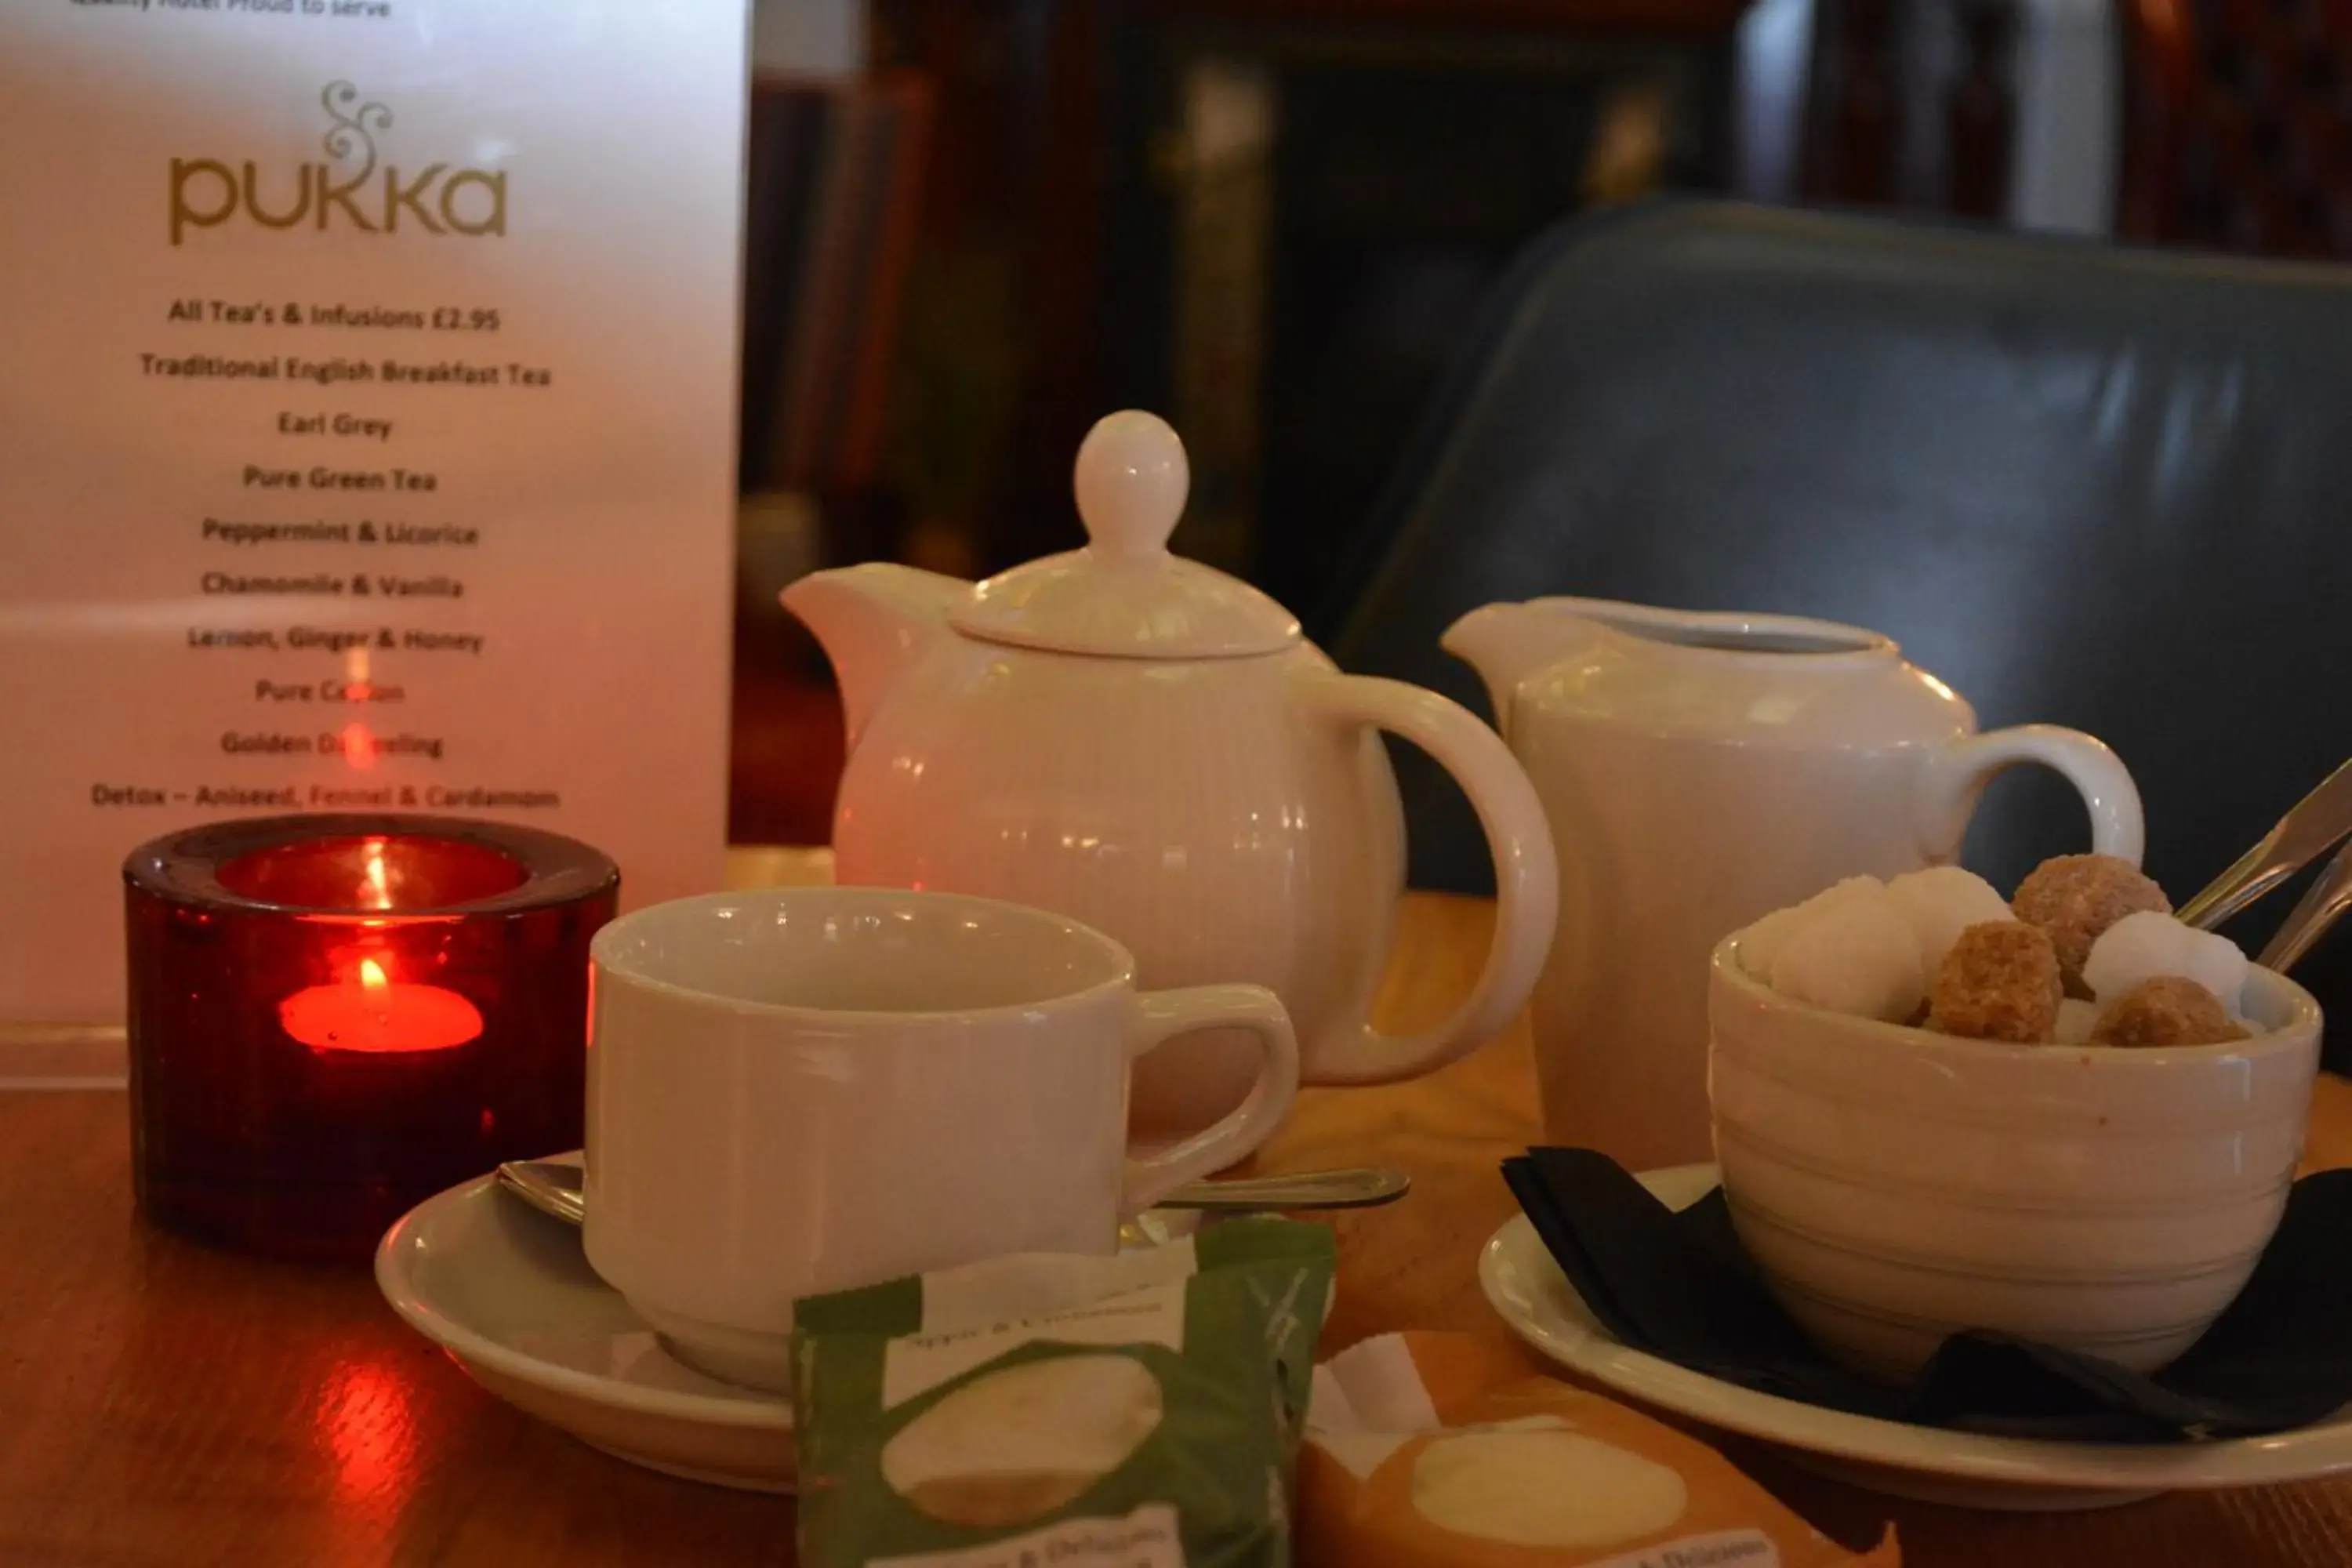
1857, 956
2144, 946
1940, 903
1759, 944
2075, 1021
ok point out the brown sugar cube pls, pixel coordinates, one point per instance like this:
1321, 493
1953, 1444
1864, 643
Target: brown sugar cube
2167, 1010
1999, 982
2075, 898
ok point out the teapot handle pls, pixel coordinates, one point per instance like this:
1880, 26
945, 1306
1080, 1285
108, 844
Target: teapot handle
1957, 773
1527, 877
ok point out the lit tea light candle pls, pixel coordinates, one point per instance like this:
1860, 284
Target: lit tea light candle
333, 1017
378, 1013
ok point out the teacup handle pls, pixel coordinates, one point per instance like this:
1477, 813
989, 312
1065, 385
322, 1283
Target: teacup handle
1953, 781
1159, 1016
1527, 876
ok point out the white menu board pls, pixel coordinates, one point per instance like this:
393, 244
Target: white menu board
367, 433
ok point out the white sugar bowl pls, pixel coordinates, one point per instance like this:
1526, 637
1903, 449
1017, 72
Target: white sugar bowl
1894, 1186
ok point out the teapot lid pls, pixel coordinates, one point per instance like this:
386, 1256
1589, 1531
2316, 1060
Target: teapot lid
1123, 594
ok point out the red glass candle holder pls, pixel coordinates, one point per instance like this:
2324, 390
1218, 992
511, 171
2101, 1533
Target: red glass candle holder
334, 1018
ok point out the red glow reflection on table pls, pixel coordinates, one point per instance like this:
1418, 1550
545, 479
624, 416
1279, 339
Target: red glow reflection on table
373, 1012
364, 1421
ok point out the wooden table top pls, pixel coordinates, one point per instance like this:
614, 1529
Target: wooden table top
166, 1406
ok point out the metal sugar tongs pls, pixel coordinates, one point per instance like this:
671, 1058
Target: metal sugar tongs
2305, 833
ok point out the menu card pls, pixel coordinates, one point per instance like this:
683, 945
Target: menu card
366, 434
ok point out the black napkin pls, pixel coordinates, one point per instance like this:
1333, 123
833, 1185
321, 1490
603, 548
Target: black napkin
1678, 1287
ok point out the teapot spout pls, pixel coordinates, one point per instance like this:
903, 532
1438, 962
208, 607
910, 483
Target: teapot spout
873, 621
1507, 643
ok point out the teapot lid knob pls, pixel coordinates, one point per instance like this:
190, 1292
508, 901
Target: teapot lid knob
1131, 480
1124, 595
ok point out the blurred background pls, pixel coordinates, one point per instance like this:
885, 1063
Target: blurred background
975, 226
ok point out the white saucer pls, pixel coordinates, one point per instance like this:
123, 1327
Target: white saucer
505, 1290
1926, 1463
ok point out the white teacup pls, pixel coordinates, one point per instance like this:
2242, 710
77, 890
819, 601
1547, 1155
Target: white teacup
813, 1089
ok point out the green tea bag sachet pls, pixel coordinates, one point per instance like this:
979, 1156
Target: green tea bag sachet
1047, 1411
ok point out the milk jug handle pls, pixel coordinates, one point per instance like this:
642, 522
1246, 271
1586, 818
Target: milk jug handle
1957, 775
1526, 879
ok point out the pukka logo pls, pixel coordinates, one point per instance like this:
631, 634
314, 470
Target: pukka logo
343, 191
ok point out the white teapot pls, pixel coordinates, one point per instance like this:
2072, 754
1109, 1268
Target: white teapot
1702, 770
1147, 745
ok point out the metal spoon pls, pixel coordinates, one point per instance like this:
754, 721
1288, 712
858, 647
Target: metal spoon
1346, 1187
2318, 909
2301, 836
554, 1186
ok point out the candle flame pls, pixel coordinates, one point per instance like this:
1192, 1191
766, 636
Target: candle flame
362, 1009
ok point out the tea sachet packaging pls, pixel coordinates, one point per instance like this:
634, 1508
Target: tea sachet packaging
1429, 1450
1137, 1411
